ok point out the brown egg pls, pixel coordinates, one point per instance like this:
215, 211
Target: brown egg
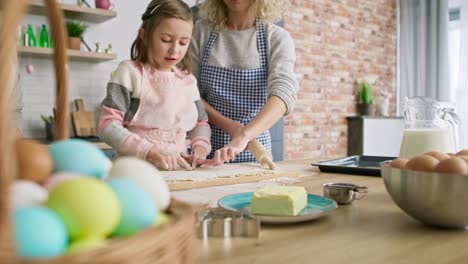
399, 163
463, 152
453, 165
451, 154
422, 163
34, 161
465, 158
438, 155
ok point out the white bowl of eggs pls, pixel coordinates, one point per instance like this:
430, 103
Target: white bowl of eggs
432, 188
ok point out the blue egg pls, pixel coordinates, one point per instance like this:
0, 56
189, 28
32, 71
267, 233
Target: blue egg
39, 232
138, 210
78, 156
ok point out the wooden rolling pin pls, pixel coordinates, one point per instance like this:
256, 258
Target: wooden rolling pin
261, 154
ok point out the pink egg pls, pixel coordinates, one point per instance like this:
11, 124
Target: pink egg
29, 68
57, 178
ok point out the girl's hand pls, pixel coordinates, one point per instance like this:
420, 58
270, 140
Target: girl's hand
197, 157
167, 160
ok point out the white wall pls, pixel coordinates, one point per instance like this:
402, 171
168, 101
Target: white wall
86, 79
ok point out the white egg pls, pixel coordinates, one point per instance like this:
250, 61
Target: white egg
107, 167
27, 193
144, 174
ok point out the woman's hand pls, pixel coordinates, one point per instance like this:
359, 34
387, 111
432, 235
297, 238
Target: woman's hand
228, 152
167, 160
197, 157
235, 129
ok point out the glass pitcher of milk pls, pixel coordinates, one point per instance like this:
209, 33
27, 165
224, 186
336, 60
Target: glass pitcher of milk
429, 126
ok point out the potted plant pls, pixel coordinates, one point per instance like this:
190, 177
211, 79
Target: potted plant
365, 99
75, 31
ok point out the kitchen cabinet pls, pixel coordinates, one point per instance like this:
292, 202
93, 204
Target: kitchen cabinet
375, 136
96, 15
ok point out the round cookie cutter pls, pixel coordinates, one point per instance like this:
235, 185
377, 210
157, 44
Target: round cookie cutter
344, 193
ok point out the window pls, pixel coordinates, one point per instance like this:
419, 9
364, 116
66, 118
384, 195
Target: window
454, 49
458, 61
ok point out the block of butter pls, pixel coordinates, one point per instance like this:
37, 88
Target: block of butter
279, 200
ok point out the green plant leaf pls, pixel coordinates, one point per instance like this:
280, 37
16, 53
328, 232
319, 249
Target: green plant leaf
365, 93
75, 29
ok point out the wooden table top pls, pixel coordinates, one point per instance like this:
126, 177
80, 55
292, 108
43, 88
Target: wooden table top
371, 230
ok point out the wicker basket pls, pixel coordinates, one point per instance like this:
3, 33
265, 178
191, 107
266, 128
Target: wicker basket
173, 242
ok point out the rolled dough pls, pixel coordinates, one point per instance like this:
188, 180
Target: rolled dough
222, 175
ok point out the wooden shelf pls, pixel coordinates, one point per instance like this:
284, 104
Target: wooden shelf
96, 15
76, 55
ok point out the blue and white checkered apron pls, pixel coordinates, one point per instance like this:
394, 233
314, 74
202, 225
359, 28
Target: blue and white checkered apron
238, 94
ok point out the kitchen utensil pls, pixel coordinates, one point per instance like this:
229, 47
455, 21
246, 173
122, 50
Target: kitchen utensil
317, 206
344, 193
437, 199
261, 154
429, 126
218, 222
360, 165
48, 125
81, 2
83, 122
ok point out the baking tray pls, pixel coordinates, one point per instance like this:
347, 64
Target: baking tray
361, 165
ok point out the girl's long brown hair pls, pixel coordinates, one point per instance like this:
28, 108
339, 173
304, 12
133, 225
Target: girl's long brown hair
156, 11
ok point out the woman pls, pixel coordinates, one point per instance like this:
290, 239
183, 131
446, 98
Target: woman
245, 69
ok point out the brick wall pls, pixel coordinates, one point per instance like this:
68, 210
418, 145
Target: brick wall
337, 42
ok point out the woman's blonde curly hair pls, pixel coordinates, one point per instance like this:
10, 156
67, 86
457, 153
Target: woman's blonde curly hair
216, 11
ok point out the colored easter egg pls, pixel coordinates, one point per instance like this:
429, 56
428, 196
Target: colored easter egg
144, 174
29, 68
161, 219
88, 207
78, 156
138, 209
57, 178
84, 244
27, 193
107, 167
39, 232
34, 163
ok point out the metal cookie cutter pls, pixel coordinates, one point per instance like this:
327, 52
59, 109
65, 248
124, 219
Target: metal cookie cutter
344, 193
218, 222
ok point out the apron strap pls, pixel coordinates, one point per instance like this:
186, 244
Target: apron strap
209, 45
261, 43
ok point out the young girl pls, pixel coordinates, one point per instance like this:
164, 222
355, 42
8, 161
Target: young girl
152, 101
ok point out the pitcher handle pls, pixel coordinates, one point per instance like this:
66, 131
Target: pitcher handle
454, 120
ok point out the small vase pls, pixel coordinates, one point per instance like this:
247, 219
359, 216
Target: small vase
382, 108
74, 43
365, 109
104, 4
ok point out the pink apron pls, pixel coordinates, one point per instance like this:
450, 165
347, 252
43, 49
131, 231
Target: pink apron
166, 111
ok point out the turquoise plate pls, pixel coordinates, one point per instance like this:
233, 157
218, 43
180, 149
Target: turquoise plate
317, 206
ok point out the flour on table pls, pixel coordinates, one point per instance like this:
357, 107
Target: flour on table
283, 180
230, 170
